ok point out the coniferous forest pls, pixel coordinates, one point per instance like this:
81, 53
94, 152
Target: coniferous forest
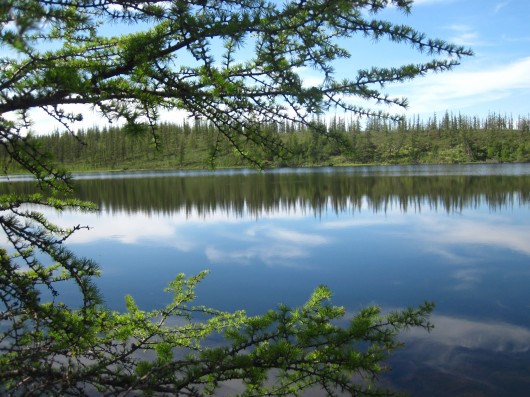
195, 144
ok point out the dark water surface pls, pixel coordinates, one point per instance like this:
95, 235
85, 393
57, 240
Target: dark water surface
392, 236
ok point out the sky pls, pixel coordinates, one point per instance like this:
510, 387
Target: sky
495, 80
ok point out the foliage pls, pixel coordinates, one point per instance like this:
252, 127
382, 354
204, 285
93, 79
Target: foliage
110, 350
57, 54
64, 55
454, 139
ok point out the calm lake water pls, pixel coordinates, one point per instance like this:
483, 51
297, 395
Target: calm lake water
393, 236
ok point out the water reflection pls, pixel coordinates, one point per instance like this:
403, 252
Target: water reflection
453, 332
464, 358
339, 190
488, 231
460, 238
433, 233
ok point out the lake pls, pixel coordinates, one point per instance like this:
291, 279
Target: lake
395, 236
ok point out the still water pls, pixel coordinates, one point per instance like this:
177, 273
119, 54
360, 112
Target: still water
391, 236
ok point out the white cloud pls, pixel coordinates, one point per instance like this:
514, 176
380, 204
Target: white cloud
500, 6
42, 123
310, 77
464, 36
460, 89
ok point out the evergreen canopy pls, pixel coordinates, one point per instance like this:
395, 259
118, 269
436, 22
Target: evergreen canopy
237, 63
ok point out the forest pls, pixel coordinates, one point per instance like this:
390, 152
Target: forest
192, 144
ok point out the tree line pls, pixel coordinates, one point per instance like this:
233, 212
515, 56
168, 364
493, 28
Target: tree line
185, 55
447, 139
260, 193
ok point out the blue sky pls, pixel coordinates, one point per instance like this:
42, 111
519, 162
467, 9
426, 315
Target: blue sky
495, 80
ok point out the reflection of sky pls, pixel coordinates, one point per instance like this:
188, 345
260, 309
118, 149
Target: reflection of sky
435, 252
473, 264
431, 231
493, 231
454, 332
269, 244
463, 357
